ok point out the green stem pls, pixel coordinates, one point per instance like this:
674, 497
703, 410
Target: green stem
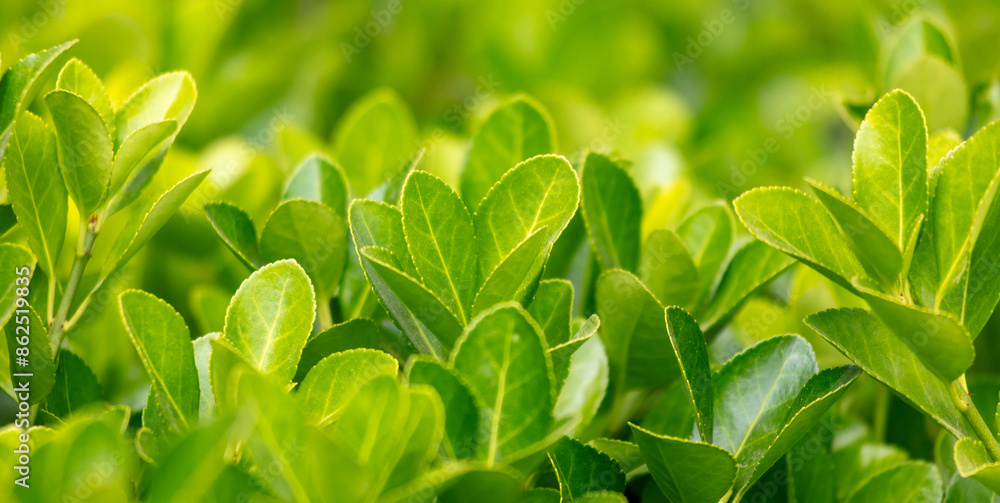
325, 317
85, 247
960, 395
881, 413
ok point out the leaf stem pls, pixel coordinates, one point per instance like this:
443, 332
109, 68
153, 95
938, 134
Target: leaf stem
960, 395
88, 233
323, 314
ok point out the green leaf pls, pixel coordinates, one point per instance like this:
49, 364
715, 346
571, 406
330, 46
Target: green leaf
270, 318
502, 358
375, 137
511, 280
85, 150
540, 192
7, 217
35, 188
612, 209
586, 385
626, 454
314, 236
890, 166
809, 466
516, 131
79, 79
375, 223
865, 340
673, 412
140, 150
318, 179
542, 495
753, 394
669, 271
562, 352
495, 486
70, 458
686, 471
461, 412
581, 469
912, 482
137, 232
236, 230
441, 239
877, 253
26, 326
334, 381
552, 308
358, 333
634, 332
170, 96
13, 259
975, 463
692, 358
202, 358
438, 326
954, 271
940, 341
163, 342
178, 480
76, 386
969, 491
707, 235
21, 81
752, 267
798, 225
603, 497
815, 399
420, 437
224, 370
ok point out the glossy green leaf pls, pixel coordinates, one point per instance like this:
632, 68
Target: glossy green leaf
626, 454
13, 259
634, 332
36, 368
76, 386
374, 139
890, 166
911, 482
358, 333
461, 412
815, 399
562, 352
163, 342
708, 234
975, 463
270, 318
35, 188
441, 239
140, 150
516, 131
426, 307
669, 271
21, 81
170, 96
314, 236
79, 79
202, 358
540, 192
581, 469
939, 340
798, 225
502, 358
880, 256
752, 267
84, 147
137, 232
552, 308
334, 381
692, 358
612, 209
511, 279
686, 471
865, 340
583, 386
318, 179
236, 230
753, 394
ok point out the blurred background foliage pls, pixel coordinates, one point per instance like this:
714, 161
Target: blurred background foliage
707, 99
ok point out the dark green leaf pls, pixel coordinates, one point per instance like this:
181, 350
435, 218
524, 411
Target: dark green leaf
40, 371
581, 469
612, 209
461, 413
76, 386
669, 271
236, 230
314, 236
750, 269
692, 358
686, 471
358, 333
